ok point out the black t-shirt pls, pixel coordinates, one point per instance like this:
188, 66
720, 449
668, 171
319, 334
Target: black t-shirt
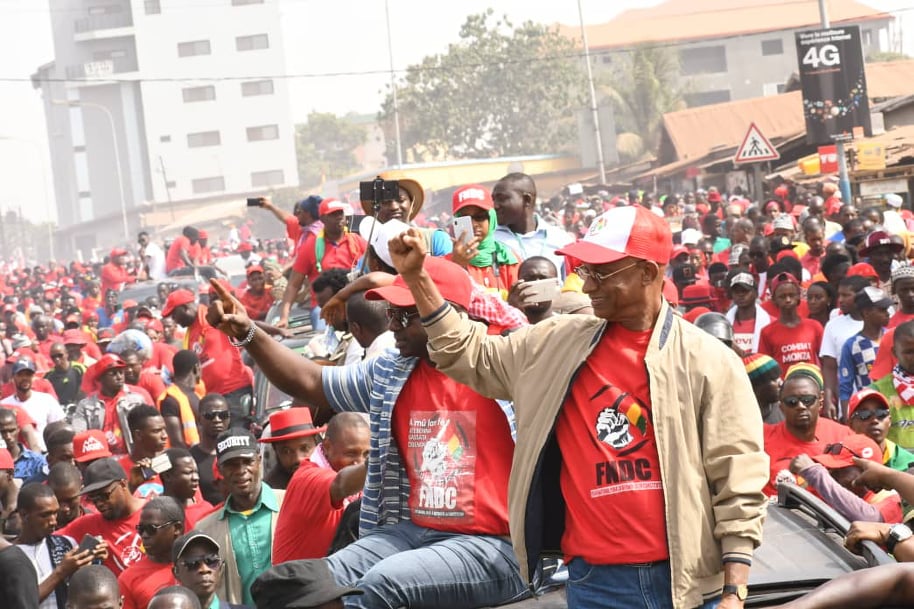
18, 580
66, 384
205, 467
170, 407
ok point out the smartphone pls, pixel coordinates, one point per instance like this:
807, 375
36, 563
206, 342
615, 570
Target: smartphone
541, 290
379, 190
88, 542
463, 228
255, 201
161, 464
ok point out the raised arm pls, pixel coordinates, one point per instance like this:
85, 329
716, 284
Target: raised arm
292, 374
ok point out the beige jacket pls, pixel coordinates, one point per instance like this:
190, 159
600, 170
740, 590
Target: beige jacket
218, 528
707, 424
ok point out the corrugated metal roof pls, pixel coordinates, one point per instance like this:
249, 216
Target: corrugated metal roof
696, 132
685, 20
890, 78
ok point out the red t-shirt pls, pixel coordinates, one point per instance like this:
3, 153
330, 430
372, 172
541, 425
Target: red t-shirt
743, 333
114, 277
173, 259
772, 309
257, 306
789, 346
782, 447
152, 383
196, 511
162, 356
457, 449
125, 547
610, 464
899, 318
141, 581
293, 231
222, 369
150, 488
111, 426
885, 356
308, 520
340, 255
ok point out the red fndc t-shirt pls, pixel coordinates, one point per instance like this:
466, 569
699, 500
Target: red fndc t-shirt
614, 501
309, 519
141, 581
789, 346
457, 448
782, 447
173, 258
743, 333
125, 547
220, 363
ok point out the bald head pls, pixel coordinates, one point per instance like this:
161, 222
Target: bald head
174, 597
343, 421
520, 181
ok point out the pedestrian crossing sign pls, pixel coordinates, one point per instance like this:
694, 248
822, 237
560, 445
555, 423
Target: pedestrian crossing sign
755, 148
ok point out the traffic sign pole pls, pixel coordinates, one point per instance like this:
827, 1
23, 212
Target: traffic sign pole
844, 183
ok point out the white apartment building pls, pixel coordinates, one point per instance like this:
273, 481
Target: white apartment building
157, 107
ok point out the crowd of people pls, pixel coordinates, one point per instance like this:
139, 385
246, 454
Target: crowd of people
478, 398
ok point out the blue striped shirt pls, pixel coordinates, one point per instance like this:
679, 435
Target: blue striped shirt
372, 387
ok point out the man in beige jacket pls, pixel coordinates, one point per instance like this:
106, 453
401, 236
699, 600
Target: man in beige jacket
639, 446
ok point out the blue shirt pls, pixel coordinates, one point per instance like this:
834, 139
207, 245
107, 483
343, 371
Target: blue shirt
544, 240
28, 464
857, 357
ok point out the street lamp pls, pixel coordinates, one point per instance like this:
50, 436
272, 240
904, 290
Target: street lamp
117, 155
47, 193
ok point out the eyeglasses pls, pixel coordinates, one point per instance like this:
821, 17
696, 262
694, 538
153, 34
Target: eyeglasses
152, 529
222, 415
101, 496
792, 401
585, 273
866, 415
482, 216
57, 355
211, 561
836, 448
401, 316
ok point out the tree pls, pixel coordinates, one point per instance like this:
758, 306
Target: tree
501, 90
325, 148
644, 85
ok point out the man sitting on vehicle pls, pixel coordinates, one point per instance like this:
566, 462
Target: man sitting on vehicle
868, 414
293, 436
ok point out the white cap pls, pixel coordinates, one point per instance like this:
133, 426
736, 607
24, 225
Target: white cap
382, 233
690, 236
893, 200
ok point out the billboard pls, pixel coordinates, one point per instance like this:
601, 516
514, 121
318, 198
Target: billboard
835, 101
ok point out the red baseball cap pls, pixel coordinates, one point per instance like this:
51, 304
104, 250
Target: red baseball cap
291, 423
254, 268
244, 246
202, 234
130, 303
862, 269
118, 251
75, 337
841, 454
678, 250
329, 206
473, 194
176, 299
452, 281
90, 445
632, 231
780, 280
862, 396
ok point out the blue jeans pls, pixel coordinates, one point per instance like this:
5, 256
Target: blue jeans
646, 586
405, 565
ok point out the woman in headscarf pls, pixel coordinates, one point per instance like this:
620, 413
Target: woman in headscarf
490, 263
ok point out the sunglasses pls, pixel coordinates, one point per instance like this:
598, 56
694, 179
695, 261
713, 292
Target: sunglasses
793, 401
101, 496
401, 316
152, 529
585, 273
222, 415
211, 561
836, 448
866, 415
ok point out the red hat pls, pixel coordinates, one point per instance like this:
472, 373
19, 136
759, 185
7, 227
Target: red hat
90, 445
453, 282
291, 423
108, 361
329, 206
862, 269
475, 195
879, 238
622, 232
787, 253
118, 251
244, 246
75, 337
780, 280
697, 294
678, 250
714, 197
130, 303
104, 334
254, 268
691, 316
176, 299
6, 459
841, 454
156, 325
862, 396
202, 234
782, 190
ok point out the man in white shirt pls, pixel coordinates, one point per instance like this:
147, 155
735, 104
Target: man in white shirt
153, 257
42, 407
837, 331
520, 228
368, 324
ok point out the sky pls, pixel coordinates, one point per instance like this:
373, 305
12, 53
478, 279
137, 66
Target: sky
320, 37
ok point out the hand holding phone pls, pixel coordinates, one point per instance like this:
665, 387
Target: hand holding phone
255, 201
88, 543
540, 290
462, 228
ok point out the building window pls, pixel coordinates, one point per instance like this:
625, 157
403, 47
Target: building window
705, 98
203, 138
772, 47
703, 60
196, 47
203, 185
107, 9
198, 94
109, 54
170, 184
773, 88
264, 132
243, 2
256, 87
164, 138
252, 43
153, 7
263, 179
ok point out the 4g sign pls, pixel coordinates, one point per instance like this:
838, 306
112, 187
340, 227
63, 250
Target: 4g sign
835, 101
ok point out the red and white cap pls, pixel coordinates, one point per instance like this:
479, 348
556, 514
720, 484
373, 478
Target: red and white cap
328, 206
623, 232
